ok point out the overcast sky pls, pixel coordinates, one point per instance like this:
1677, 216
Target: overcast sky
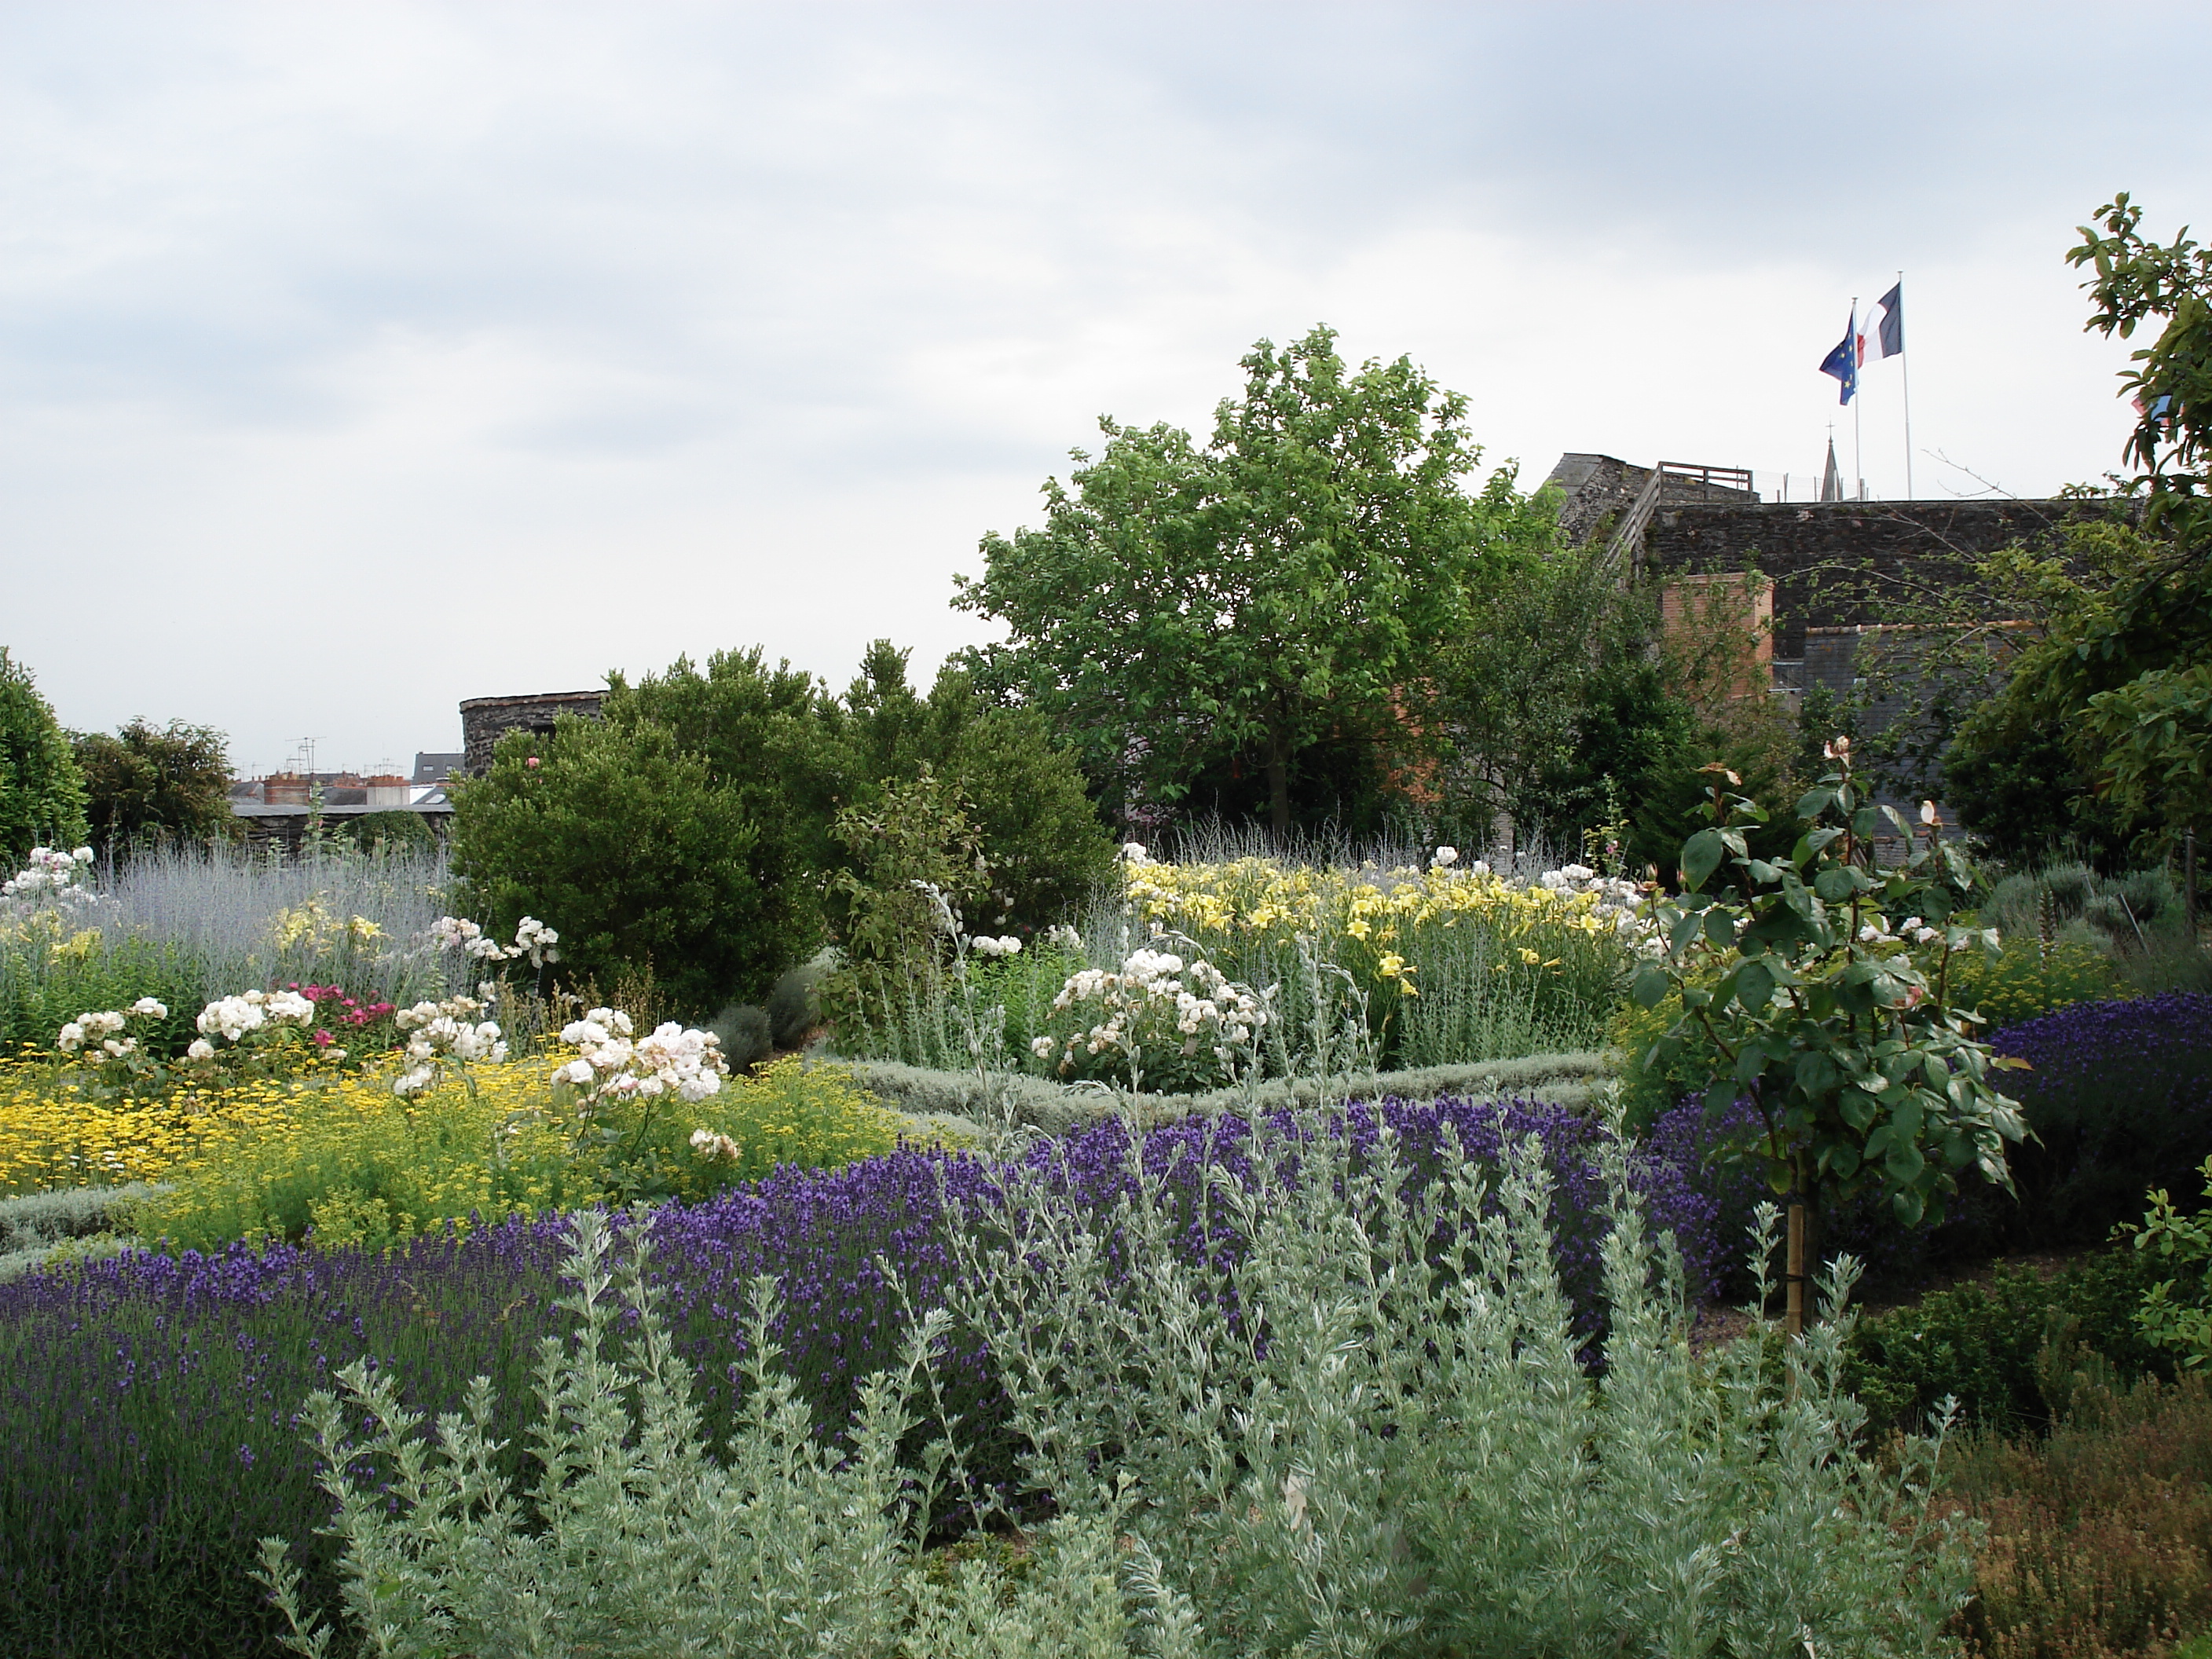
356, 360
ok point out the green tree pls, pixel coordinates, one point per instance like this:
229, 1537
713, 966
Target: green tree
758, 731
2120, 670
1015, 778
622, 840
1820, 988
2064, 751
146, 782
1285, 583
2138, 281
42, 790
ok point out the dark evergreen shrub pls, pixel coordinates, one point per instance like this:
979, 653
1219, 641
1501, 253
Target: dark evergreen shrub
794, 1009
1980, 1342
746, 1035
395, 831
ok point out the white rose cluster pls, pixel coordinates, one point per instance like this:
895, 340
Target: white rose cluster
232, 1018
707, 1144
1914, 931
1620, 904
102, 1031
1007, 946
612, 1063
48, 871
1154, 1007
440, 1032
532, 939
102, 1034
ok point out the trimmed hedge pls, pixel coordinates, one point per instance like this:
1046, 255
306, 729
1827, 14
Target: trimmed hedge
1984, 1344
1565, 1079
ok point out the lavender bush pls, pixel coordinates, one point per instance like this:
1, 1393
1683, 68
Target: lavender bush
2119, 1097
1310, 1405
149, 1401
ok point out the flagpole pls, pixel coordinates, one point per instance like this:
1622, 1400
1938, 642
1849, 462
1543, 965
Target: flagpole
1858, 392
1904, 368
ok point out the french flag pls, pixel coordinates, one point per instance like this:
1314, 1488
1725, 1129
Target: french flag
1886, 338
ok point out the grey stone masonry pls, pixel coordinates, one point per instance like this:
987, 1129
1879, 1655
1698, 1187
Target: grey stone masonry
1594, 487
484, 720
1832, 562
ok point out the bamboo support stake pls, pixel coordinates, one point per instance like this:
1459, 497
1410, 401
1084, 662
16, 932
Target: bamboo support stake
1793, 1319
2189, 882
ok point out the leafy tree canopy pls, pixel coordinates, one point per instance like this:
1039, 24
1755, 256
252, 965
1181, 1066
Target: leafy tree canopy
146, 782
623, 841
1286, 581
1013, 775
42, 790
2108, 701
722, 786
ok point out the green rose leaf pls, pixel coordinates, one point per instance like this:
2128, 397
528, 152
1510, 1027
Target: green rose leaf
1835, 884
1701, 856
1755, 985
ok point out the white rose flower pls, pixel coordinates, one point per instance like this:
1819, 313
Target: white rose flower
201, 1049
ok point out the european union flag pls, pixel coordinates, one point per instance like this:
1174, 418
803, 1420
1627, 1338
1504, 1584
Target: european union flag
1844, 361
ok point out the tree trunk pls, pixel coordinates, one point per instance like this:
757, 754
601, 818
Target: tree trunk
1279, 782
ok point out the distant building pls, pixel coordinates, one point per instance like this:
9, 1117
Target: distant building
277, 808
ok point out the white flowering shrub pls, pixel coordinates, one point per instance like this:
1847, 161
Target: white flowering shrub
1156, 1023
255, 1034
444, 1039
611, 1065
532, 939
108, 1051
621, 1096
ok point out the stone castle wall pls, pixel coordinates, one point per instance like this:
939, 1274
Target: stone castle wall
1830, 560
484, 720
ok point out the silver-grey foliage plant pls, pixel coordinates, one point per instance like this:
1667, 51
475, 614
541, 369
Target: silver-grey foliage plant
1339, 1436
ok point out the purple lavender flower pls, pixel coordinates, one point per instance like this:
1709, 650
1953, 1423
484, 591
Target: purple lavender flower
150, 1401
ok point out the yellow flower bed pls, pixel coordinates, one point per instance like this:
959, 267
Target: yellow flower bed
1354, 914
51, 1139
793, 1112
1455, 964
360, 1164
344, 1155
